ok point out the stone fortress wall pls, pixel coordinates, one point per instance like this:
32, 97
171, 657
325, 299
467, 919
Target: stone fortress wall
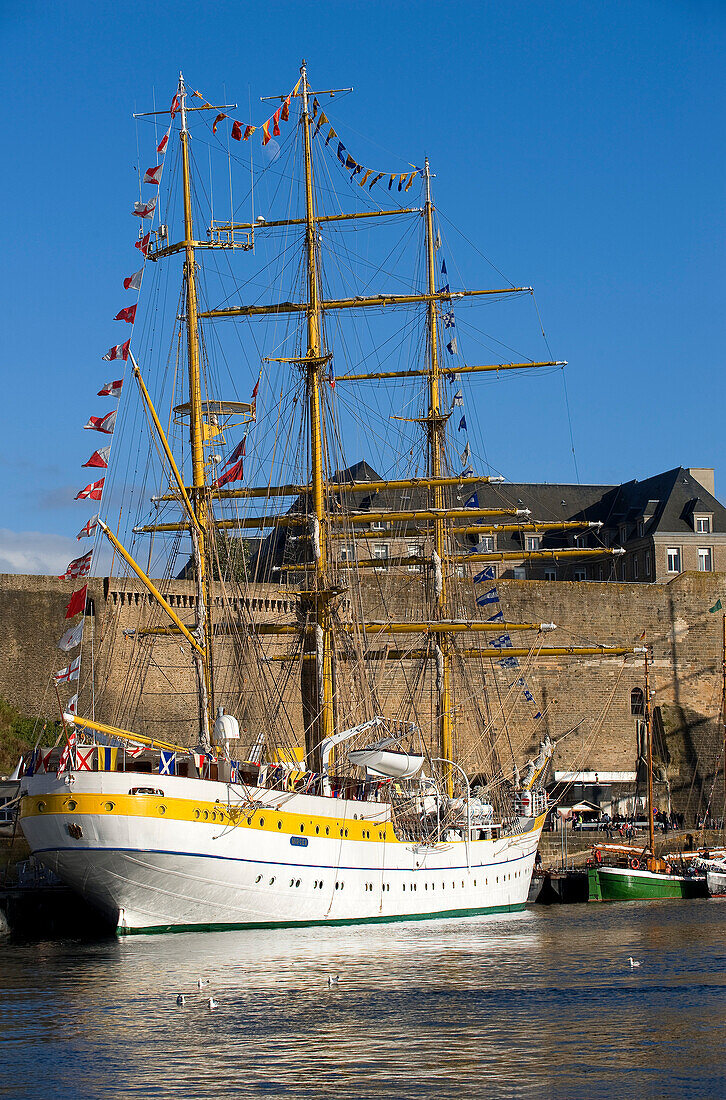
591, 693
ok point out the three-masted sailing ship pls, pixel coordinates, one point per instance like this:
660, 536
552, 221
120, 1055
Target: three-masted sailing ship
409, 798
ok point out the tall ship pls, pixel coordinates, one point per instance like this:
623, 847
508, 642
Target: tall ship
360, 741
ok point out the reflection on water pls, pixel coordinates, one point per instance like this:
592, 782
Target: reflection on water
542, 1004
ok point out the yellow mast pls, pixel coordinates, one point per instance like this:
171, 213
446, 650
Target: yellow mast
319, 723
196, 434
436, 426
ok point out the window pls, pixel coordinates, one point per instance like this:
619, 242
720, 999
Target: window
414, 551
550, 574
531, 542
705, 559
637, 702
635, 567
580, 541
673, 554
380, 552
581, 574
519, 573
702, 525
347, 552
485, 545
622, 533
378, 525
647, 563
641, 528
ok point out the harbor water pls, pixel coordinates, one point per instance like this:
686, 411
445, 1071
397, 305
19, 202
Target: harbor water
540, 1004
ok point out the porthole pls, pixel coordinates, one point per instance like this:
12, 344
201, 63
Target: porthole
341, 832
327, 830
297, 883
162, 809
108, 806
272, 881
197, 814
40, 806
320, 885
337, 886
462, 884
426, 886
279, 824
259, 878
262, 822
71, 804
346, 832
292, 881
205, 815
302, 828
315, 884
249, 820
317, 828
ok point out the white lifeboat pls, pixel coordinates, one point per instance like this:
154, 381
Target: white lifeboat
394, 765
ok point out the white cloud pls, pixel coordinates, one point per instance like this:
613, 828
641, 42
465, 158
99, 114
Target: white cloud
35, 552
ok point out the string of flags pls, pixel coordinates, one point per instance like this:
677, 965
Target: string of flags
489, 598
74, 755
270, 128
403, 180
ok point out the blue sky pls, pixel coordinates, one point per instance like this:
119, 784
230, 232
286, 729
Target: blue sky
579, 146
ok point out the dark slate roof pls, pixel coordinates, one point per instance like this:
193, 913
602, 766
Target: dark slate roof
679, 495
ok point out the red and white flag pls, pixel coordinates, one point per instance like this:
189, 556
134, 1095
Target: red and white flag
94, 491
118, 351
143, 244
72, 637
71, 672
43, 764
152, 175
84, 757
77, 602
105, 424
99, 459
234, 473
133, 282
111, 389
145, 209
174, 106
89, 529
135, 750
161, 147
72, 705
69, 752
79, 567
128, 314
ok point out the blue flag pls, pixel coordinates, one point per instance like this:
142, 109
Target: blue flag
234, 771
486, 574
511, 662
473, 501
490, 596
443, 268
449, 319
502, 642
538, 714
529, 696
167, 763
462, 424
341, 149
498, 617
452, 346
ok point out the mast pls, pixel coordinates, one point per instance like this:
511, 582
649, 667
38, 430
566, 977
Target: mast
200, 538
317, 695
436, 425
649, 735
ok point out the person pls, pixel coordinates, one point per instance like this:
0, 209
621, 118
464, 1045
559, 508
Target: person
537, 861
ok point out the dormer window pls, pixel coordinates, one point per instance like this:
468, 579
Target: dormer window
641, 528
623, 533
702, 524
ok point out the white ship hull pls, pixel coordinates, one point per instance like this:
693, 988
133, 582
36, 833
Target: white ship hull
155, 862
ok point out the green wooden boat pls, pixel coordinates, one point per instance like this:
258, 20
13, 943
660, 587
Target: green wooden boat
628, 884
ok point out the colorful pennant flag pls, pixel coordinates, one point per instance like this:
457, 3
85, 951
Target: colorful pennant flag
167, 763
161, 147
235, 473
266, 132
99, 458
118, 351
512, 662
84, 757
143, 244
449, 319
239, 451
153, 175
94, 491
105, 424
107, 758
497, 617
452, 346
145, 209
237, 130
322, 121
79, 567
376, 179
88, 530
218, 119
133, 282
68, 754
71, 672
458, 400
128, 314
71, 707
276, 123
72, 637
249, 131
111, 389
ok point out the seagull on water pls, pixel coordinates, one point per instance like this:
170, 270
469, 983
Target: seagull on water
212, 1003
201, 982
181, 999
333, 979
633, 962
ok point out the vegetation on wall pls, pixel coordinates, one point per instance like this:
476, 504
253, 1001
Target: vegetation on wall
18, 734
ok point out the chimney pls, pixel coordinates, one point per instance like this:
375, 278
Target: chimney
704, 476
